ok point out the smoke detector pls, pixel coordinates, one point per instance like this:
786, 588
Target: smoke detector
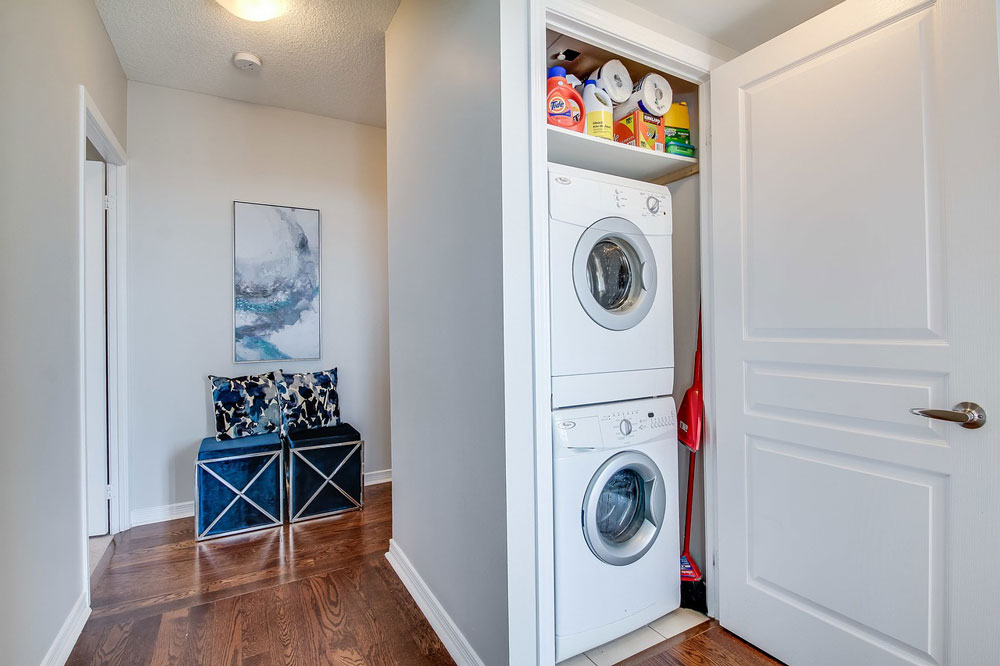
246, 61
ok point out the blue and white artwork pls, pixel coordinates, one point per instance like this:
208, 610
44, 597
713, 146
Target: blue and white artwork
276, 275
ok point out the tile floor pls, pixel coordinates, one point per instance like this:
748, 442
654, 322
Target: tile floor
641, 639
96, 547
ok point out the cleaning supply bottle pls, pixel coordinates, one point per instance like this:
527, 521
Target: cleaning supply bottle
677, 124
598, 106
564, 104
677, 131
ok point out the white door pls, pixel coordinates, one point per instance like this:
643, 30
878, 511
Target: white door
856, 237
95, 346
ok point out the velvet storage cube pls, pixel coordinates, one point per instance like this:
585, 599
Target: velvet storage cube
238, 485
325, 472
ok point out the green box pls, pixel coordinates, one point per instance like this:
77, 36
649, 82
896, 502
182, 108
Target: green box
676, 135
683, 149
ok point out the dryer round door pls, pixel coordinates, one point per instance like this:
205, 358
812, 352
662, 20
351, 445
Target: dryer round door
614, 273
623, 508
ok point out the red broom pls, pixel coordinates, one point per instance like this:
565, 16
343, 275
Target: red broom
689, 424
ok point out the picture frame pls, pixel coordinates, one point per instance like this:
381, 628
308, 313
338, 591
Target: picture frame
276, 283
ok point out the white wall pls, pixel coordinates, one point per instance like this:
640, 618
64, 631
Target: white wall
446, 314
190, 157
666, 27
48, 48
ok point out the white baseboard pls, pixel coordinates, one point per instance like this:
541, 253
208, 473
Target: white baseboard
157, 514
378, 476
454, 641
64, 641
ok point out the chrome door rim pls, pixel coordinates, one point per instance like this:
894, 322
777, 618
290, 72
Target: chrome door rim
617, 230
633, 549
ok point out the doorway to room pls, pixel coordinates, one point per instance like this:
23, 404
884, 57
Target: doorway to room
95, 308
102, 333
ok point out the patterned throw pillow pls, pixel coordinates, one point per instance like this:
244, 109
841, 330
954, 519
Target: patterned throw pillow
245, 406
308, 399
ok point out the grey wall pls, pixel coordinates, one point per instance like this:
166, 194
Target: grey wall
190, 157
445, 305
48, 48
687, 292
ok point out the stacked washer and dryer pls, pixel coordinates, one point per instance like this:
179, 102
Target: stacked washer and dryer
613, 420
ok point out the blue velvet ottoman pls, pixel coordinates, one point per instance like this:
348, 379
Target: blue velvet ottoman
238, 485
326, 469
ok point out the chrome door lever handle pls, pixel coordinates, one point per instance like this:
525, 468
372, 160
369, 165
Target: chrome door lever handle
967, 414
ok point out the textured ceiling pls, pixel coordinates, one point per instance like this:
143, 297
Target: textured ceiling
738, 24
323, 56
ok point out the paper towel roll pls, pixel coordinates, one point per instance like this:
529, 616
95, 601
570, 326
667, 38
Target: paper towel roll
614, 79
652, 94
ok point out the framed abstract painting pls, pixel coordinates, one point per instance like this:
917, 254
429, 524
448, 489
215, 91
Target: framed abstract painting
276, 277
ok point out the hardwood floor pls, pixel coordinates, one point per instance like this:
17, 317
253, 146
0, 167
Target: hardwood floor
708, 644
311, 594
318, 593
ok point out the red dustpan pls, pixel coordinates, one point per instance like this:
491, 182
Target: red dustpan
689, 424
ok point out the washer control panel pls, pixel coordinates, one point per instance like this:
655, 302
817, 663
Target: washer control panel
629, 422
613, 425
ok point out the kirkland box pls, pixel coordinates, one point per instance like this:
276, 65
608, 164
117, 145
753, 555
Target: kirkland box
640, 129
326, 469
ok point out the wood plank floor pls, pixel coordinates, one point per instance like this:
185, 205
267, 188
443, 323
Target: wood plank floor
312, 594
318, 593
708, 644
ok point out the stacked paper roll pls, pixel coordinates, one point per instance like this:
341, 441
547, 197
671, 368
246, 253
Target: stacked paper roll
614, 79
651, 94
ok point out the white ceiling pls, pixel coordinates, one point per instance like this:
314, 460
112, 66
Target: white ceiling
738, 24
323, 56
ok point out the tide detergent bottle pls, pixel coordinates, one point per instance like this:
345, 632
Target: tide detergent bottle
564, 104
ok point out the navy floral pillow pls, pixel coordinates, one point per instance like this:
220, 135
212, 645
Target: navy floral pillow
308, 399
245, 406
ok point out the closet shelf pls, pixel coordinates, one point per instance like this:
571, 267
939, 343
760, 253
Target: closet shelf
589, 152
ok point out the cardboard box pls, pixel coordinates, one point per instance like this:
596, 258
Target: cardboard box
676, 134
640, 129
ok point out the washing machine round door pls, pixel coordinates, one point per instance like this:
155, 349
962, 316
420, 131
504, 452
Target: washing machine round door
623, 508
614, 272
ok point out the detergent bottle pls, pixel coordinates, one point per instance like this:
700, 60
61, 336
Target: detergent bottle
564, 104
677, 123
597, 104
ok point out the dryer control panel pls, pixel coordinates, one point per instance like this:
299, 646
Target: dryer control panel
582, 197
614, 425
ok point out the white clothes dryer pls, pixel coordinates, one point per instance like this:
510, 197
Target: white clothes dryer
617, 544
611, 288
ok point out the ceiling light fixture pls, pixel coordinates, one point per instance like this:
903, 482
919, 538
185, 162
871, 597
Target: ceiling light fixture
255, 10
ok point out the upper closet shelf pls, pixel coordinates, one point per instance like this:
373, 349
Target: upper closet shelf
588, 152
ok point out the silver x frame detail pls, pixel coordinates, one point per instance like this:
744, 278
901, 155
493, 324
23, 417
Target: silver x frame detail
203, 464
327, 480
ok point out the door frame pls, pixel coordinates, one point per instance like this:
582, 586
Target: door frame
94, 127
601, 28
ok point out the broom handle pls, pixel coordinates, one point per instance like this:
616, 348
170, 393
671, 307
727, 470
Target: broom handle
697, 382
687, 518
697, 357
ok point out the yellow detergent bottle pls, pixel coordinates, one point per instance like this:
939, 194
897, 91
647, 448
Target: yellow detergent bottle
600, 122
677, 124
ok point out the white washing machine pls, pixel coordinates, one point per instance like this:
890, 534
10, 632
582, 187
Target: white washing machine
617, 550
611, 288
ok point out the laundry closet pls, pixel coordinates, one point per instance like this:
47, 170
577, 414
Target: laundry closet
624, 284
836, 282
